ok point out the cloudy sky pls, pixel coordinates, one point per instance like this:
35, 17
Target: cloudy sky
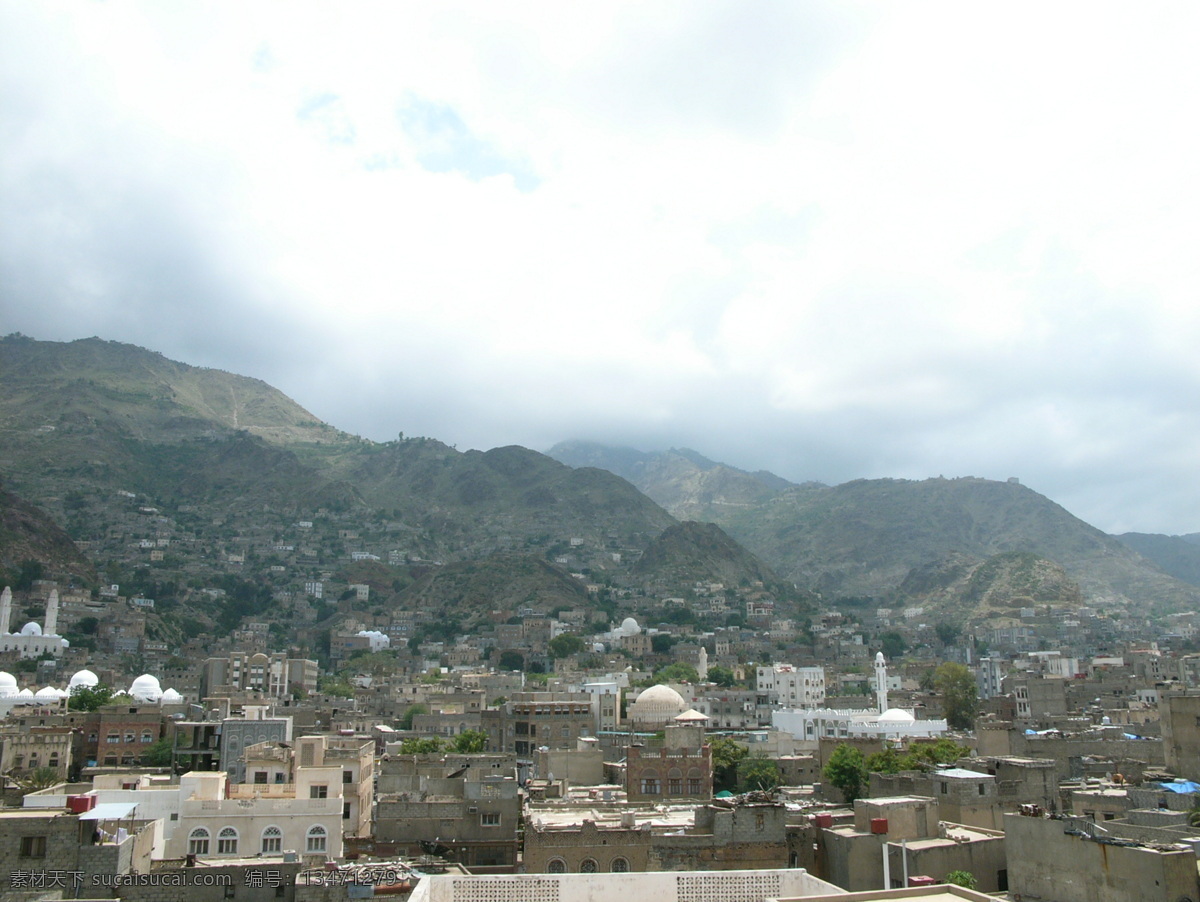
829, 240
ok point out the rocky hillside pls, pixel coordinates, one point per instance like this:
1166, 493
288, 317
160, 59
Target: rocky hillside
879, 538
29, 538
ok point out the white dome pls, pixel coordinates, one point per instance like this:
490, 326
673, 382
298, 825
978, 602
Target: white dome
895, 715
657, 706
31, 629
171, 697
47, 692
146, 688
879, 658
84, 678
8, 684
629, 627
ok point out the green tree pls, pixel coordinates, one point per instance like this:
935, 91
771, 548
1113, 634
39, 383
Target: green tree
660, 643
679, 672
39, 778
406, 722
470, 742
425, 745
159, 754
758, 774
727, 753
565, 644
965, 879
892, 645
846, 770
84, 698
511, 660
722, 676
947, 633
956, 685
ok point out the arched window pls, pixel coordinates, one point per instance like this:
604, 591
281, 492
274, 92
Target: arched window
315, 839
588, 866
198, 842
227, 841
147, 736
620, 865
272, 840
556, 866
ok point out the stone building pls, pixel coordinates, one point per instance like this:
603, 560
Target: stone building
1073, 860
679, 771
531, 720
57, 844
460, 807
26, 749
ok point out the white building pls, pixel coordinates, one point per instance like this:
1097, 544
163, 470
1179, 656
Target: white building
242, 820
32, 640
793, 687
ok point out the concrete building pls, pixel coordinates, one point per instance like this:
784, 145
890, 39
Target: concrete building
255, 726
917, 843
222, 820
1073, 860
272, 675
792, 687
1180, 718
66, 848
531, 720
464, 807
274, 763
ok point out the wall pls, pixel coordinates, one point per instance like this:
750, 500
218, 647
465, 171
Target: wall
1047, 863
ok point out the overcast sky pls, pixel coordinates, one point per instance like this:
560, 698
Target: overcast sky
829, 240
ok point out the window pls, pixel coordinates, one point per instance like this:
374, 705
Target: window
147, 736
314, 841
318, 791
19, 761
981, 789
620, 865
588, 866
650, 786
489, 819
345, 811
272, 840
693, 786
129, 737
260, 776
347, 777
279, 777
675, 786
113, 738
227, 841
33, 847
198, 842
53, 762
556, 866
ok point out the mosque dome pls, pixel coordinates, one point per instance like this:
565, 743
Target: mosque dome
84, 678
629, 627
895, 715
8, 684
146, 688
657, 706
31, 629
171, 697
48, 692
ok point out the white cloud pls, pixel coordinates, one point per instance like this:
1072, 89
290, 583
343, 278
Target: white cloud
832, 240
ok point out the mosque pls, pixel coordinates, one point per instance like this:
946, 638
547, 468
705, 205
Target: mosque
883, 723
33, 640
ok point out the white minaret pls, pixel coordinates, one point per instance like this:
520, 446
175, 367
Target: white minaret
881, 682
702, 664
51, 627
5, 609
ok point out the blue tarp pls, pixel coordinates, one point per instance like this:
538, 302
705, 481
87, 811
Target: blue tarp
1181, 786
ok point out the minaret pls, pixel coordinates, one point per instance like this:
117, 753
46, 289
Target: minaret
5, 609
702, 664
51, 627
881, 682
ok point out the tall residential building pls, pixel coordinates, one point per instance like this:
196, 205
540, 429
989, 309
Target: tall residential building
793, 687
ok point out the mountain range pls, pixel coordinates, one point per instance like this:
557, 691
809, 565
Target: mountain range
97, 434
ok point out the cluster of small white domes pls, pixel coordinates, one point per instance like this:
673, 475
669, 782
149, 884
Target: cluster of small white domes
146, 689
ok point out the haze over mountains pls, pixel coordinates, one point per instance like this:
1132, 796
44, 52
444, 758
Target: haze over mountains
87, 425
